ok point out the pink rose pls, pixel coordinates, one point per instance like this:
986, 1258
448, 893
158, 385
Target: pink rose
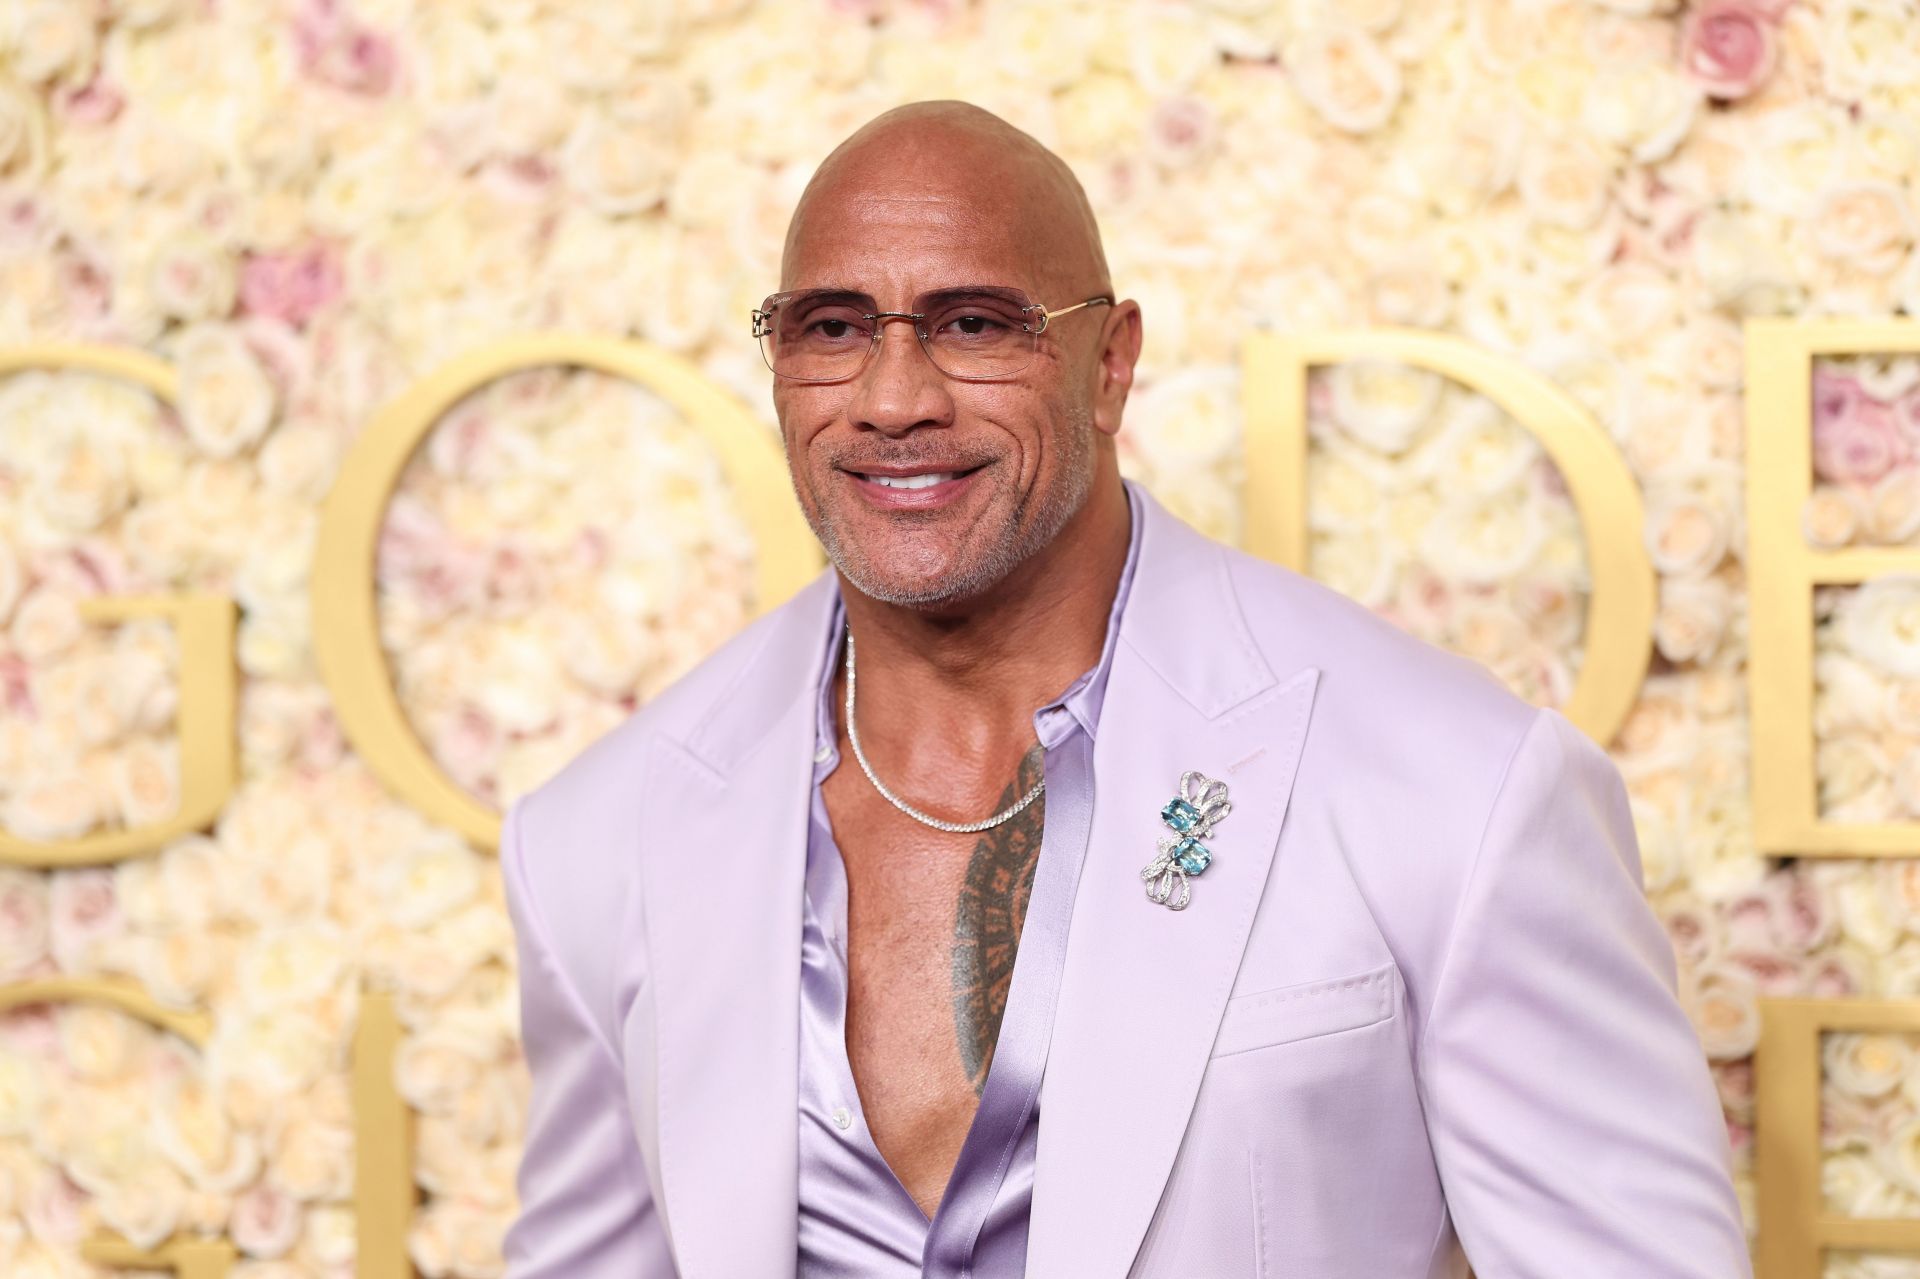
83, 908
1855, 438
290, 286
336, 49
95, 102
1727, 46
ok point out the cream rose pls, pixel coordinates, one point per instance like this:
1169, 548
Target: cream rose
265, 1221
1725, 1012
53, 41
1880, 623
1693, 618
1832, 516
1382, 405
1866, 1066
1867, 225
226, 397
192, 276
1565, 183
1345, 76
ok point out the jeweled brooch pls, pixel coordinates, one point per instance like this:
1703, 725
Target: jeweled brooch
1192, 815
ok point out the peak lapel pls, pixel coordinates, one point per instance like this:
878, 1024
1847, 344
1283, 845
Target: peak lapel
724, 877
1145, 987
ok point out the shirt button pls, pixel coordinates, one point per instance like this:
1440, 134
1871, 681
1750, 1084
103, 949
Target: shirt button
842, 1118
822, 755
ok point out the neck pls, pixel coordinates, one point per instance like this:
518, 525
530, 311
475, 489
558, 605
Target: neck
981, 667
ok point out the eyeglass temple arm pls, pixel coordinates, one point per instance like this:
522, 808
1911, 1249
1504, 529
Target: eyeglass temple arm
1046, 317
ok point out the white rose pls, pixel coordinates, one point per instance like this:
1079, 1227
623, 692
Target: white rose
1565, 183
145, 1208
1867, 916
1187, 418
1742, 265
146, 781
1864, 224
97, 1043
1627, 304
265, 1222
618, 164
54, 808
1832, 516
53, 40
1898, 1154
226, 397
192, 276
434, 1067
1345, 485
1686, 534
1361, 565
1866, 1065
1725, 1012
1484, 540
1409, 292
1880, 623
428, 881
1644, 110
1693, 618
293, 966
22, 1093
1345, 76
1893, 506
1478, 451
313, 1160
46, 625
1381, 404
1793, 155
191, 1128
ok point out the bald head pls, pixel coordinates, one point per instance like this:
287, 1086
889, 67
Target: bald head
995, 187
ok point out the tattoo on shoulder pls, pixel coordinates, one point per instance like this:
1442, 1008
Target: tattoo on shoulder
987, 920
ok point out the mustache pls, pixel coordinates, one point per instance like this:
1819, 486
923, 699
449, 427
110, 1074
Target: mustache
866, 460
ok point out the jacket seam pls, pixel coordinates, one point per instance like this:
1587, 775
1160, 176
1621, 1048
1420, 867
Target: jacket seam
1467, 887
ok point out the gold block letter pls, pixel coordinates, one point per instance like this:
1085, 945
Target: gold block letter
1620, 612
1782, 571
346, 638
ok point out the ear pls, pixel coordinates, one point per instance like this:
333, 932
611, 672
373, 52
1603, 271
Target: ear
1113, 375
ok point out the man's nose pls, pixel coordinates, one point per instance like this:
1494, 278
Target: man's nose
899, 390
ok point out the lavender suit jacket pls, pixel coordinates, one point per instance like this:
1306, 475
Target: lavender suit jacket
1418, 1001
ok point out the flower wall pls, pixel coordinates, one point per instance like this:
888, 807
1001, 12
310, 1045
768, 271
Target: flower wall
307, 205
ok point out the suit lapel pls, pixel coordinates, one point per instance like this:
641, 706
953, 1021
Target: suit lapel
1144, 987
724, 874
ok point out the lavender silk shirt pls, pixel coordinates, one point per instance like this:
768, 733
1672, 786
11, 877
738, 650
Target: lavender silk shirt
856, 1220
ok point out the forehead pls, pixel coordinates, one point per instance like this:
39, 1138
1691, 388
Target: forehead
897, 239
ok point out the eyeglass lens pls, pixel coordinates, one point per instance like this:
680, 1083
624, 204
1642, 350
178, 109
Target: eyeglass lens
971, 332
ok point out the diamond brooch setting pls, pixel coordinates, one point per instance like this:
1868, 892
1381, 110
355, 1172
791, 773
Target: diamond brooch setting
1191, 815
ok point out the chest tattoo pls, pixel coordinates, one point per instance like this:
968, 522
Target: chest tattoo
987, 919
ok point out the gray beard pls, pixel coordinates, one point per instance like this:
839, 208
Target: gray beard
1053, 509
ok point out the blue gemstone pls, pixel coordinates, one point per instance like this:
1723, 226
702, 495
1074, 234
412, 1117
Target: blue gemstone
1180, 815
1192, 856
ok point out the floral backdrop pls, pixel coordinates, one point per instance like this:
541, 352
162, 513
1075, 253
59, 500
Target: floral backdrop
305, 205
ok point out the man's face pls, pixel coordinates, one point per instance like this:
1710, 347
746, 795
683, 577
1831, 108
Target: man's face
1011, 460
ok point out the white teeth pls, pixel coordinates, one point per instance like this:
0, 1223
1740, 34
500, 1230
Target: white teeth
928, 480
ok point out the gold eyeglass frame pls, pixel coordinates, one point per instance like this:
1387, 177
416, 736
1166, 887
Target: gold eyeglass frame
763, 317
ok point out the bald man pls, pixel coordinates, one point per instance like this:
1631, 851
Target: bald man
1047, 889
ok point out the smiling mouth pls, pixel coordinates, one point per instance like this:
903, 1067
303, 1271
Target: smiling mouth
913, 480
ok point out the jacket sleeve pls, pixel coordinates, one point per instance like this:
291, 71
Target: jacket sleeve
586, 1208
1573, 1119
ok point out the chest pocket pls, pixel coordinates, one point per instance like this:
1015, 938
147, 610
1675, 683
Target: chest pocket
1306, 1010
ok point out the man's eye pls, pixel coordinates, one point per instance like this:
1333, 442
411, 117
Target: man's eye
973, 326
833, 329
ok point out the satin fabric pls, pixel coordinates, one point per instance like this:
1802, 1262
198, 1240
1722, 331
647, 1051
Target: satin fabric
856, 1219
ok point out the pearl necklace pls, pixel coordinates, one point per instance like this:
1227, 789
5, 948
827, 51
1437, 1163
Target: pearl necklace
957, 828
